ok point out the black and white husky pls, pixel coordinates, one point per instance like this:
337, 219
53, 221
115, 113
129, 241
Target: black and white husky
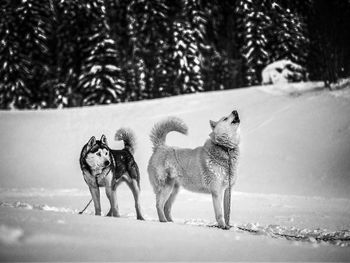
104, 167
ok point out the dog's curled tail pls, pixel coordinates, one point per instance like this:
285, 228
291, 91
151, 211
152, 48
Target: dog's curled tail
162, 128
129, 138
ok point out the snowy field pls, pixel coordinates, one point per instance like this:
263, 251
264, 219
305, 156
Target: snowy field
291, 201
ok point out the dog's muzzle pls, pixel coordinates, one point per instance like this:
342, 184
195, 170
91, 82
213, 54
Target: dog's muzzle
235, 117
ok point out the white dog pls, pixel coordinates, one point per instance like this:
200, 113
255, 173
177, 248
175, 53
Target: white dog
206, 169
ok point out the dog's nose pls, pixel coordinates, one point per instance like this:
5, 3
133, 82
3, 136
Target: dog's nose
235, 117
235, 114
107, 163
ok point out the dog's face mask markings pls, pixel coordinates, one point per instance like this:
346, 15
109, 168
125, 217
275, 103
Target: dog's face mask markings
98, 154
226, 131
98, 158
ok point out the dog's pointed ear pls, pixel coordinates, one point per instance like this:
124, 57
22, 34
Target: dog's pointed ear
104, 139
91, 142
212, 124
89, 145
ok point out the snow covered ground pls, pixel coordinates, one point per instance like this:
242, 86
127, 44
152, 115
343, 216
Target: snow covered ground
291, 201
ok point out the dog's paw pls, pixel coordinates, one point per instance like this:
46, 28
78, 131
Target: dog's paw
109, 215
140, 218
113, 213
224, 227
117, 215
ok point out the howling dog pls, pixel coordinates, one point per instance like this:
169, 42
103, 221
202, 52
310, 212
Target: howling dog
205, 169
104, 167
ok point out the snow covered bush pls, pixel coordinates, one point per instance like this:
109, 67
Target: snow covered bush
282, 71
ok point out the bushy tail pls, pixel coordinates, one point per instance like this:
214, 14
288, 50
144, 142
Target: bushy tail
128, 136
162, 128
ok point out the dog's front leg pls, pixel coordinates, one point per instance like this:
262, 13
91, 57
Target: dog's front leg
112, 197
217, 202
95, 193
227, 206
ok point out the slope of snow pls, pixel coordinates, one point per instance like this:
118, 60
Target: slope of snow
290, 144
293, 181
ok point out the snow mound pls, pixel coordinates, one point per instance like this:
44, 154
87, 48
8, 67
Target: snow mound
339, 238
341, 84
296, 88
43, 207
197, 222
10, 235
316, 236
342, 93
42, 192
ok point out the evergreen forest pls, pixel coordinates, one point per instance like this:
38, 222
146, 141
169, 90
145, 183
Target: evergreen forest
68, 53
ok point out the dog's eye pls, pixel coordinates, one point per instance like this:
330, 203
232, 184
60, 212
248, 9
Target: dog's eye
98, 154
106, 153
93, 150
225, 119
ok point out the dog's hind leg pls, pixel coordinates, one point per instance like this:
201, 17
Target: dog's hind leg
95, 193
134, 184
112, 197
170, 201
162, 196
136, 192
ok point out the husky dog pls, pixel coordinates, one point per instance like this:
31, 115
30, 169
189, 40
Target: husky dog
205, 169
104, 167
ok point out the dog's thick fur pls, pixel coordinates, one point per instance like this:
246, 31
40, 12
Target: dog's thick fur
204, 169
104, 167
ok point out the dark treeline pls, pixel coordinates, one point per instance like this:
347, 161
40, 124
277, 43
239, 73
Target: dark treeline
64, 53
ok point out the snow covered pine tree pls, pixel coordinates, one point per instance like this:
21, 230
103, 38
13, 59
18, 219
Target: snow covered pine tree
100, 80
23, 49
